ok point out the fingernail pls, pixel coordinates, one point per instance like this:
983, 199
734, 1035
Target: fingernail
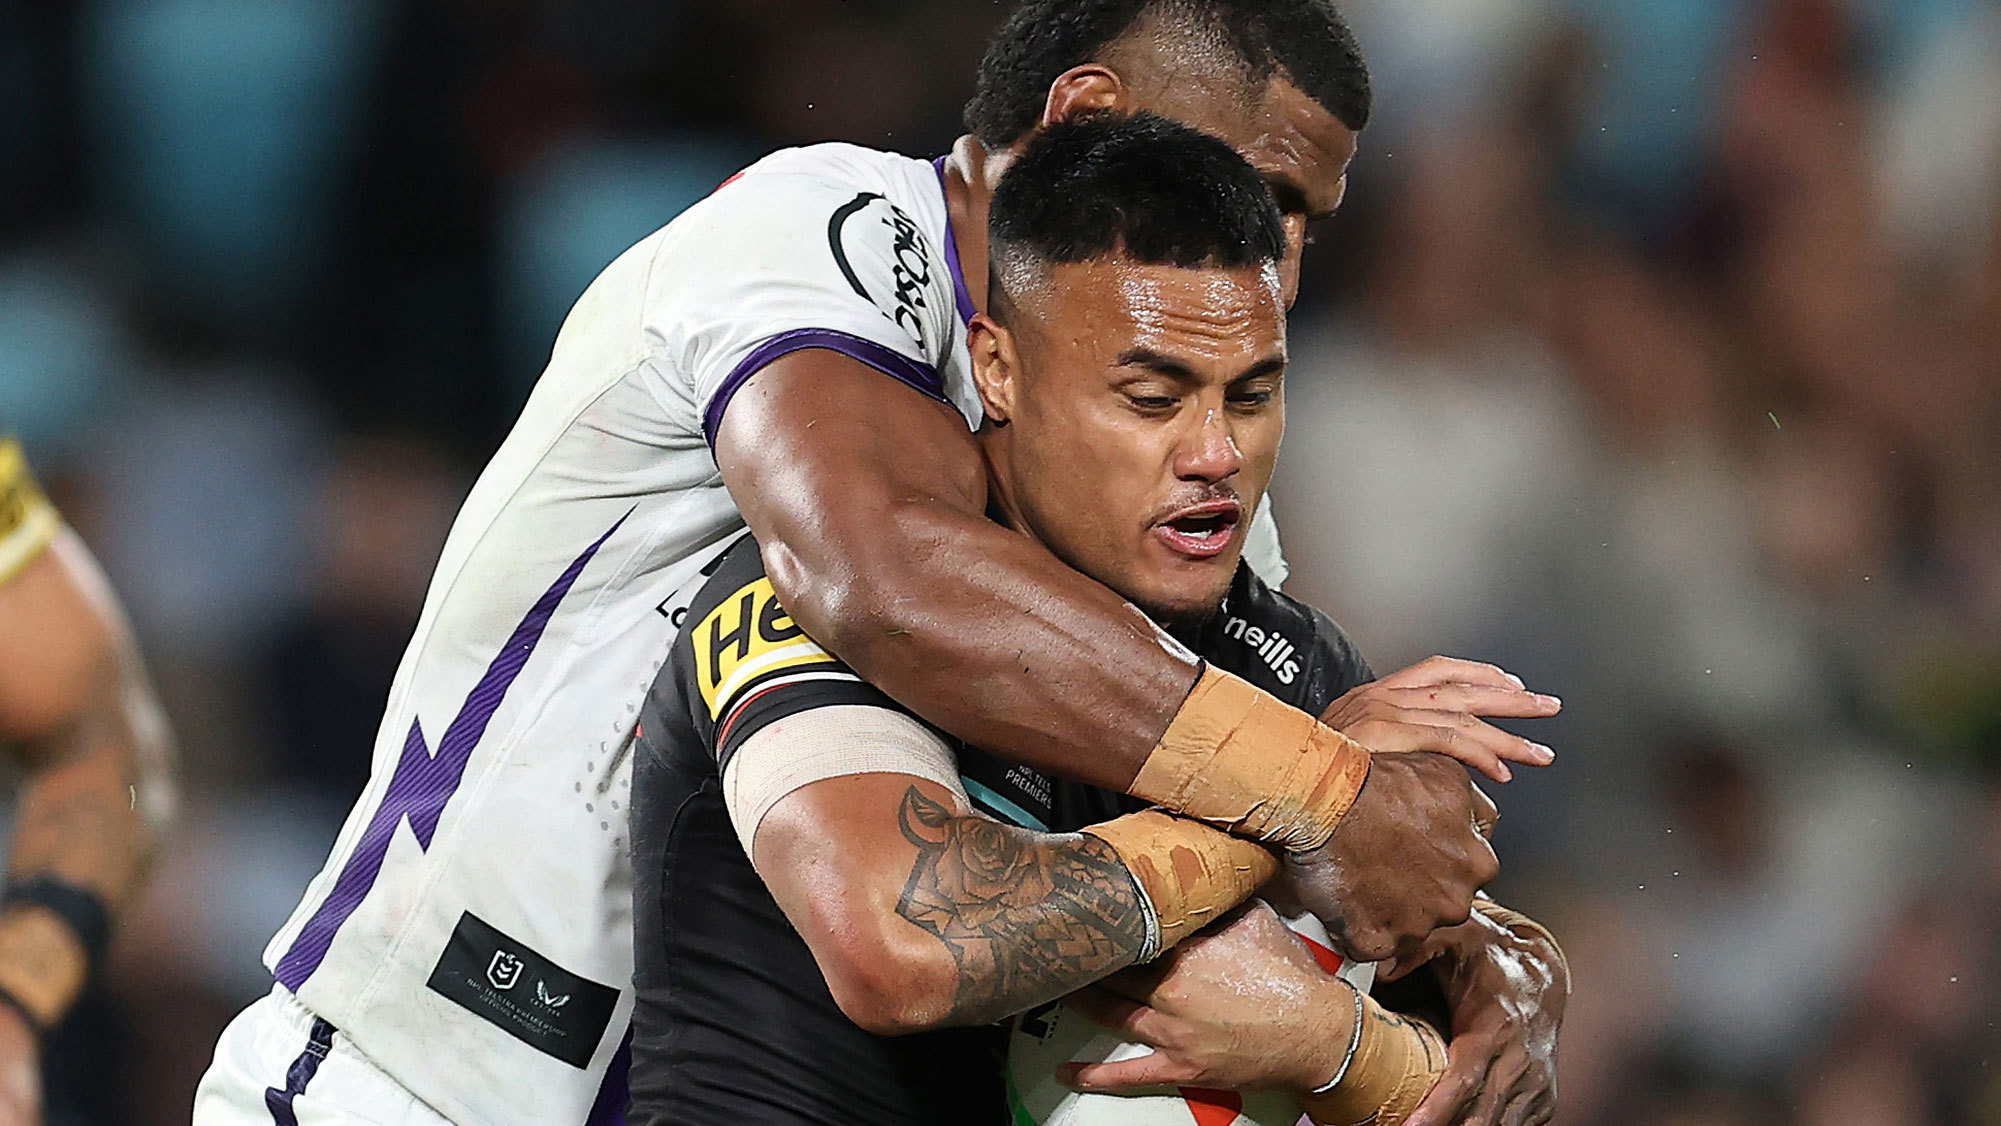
1552, 701
1516, 681
1544, 753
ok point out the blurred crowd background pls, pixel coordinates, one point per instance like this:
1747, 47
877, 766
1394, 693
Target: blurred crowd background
1656, 356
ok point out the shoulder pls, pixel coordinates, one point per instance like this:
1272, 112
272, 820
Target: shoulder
833, 246
829, 184
839, 161
1283, 645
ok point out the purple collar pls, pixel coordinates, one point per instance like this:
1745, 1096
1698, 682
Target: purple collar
966, 310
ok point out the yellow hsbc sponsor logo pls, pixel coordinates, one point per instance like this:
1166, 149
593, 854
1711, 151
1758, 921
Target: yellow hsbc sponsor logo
749, 635
27, 521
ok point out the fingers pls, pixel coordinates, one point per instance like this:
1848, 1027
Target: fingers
1520, 1111
1461, 736
1486, 868
1488, 1107
1476, 699
1454, 1091
1451, 670
1127, 1017
1153, 1069
1486, 814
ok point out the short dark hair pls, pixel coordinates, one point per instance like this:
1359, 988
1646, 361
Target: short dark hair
1142, 187
1307, 40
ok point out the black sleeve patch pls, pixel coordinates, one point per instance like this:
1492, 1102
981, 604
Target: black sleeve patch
503, 982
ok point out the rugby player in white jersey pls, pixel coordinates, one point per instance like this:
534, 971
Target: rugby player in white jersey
77, 711
791, 354
835, 903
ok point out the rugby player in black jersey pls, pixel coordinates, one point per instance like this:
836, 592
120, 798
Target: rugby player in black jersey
96, 790
907, 890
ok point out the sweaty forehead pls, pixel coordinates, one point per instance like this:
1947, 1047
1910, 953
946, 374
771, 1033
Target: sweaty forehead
1299, 146
1113, 305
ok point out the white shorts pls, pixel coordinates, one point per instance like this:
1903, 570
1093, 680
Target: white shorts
279, 1065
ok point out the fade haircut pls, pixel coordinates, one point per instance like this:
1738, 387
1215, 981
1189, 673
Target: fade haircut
1306, 41
1143, 188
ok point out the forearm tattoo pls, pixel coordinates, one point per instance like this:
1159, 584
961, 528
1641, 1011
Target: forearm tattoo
1026, 920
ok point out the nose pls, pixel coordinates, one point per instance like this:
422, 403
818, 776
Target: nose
1209, 451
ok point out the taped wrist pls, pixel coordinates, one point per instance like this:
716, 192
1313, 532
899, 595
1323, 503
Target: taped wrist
43, 965
1240, 759
1187, 872
53, 935
1396, 1061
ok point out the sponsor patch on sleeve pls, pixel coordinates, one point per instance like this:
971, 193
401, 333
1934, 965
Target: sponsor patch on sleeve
529, 997
744, 641
28, 522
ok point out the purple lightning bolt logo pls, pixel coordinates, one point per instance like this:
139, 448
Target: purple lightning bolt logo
423, 782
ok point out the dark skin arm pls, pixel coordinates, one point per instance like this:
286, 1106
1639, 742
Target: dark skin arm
1506, 987
869, 501
77, 711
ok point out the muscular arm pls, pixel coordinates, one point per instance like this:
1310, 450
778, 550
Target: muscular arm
869, 502
76, 708
922, 915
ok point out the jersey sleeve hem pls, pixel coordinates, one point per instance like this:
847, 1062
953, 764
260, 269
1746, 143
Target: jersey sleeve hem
921, 376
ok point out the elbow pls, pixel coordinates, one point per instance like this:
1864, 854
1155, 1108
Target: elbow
870, 590
892, 988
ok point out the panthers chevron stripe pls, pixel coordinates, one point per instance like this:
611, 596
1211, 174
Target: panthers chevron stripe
748, 636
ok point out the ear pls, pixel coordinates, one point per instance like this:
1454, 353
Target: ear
996, 367
1084, 90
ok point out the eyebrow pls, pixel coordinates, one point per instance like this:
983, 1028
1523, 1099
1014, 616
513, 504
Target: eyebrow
1292, 200
1167, 365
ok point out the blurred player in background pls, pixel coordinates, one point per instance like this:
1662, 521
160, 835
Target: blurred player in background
791, 354
822, 875
77, 712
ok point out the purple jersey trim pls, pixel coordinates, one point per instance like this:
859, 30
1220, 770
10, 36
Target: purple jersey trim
614, 1094
424, 782
884, 359
959, 290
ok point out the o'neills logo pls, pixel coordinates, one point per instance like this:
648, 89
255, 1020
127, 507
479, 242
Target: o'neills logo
1282, 655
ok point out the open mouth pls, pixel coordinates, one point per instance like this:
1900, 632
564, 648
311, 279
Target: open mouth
1202, 531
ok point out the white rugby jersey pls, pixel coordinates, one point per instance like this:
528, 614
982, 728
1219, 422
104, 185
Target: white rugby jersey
472, 931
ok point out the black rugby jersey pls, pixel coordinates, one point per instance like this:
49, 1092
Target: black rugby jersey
733, 1022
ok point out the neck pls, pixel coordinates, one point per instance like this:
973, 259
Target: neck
971, 173
1002, 504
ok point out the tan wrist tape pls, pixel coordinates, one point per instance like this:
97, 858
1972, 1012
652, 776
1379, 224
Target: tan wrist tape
1397, 1060
1516, 921
1189, 872
1241, 760
42, 964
